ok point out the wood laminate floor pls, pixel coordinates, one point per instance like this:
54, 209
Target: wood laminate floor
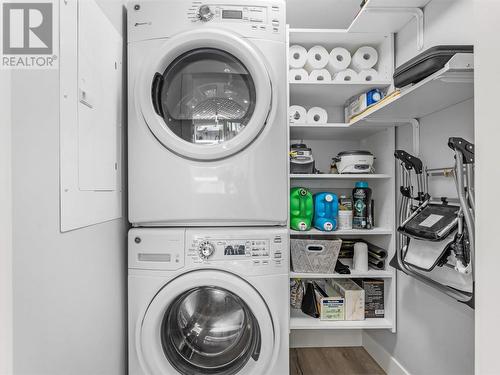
333, 361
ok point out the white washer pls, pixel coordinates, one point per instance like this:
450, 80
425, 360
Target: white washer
208, 301
207, 113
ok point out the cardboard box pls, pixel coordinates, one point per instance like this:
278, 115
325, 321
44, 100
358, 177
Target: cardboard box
332, 307
354, 298
374, 297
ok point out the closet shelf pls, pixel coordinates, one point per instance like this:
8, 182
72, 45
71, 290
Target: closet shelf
339, 176
338, 131
331, 93
350, 232
299, 320
380, 274
451, 85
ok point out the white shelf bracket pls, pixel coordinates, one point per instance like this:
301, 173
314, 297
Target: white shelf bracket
417, 13
415, 128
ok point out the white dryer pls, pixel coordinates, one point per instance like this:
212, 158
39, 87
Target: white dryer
208, 301
207, 118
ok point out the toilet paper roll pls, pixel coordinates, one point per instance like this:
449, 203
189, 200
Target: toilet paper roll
339, 60
347, 75
364, 58
298, 75
317, 115
297, 57
320, 75
317, 58
368, 75
297, 114
360, 258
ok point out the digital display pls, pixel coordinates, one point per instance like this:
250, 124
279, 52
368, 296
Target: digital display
232, 14
234, 250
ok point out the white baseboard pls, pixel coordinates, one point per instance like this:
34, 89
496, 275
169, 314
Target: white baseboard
325, 338
385, 360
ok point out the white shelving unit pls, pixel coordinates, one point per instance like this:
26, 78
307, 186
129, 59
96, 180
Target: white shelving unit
326, 141
299, 320
327, 176
330, 94
351, 232
339, 131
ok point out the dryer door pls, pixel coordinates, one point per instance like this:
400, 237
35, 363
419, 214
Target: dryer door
205, 94
207, 322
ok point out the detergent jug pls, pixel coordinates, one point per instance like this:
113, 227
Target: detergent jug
301, 209
326, 210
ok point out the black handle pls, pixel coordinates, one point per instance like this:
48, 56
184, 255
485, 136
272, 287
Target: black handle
464, 147
156, 88
410, 162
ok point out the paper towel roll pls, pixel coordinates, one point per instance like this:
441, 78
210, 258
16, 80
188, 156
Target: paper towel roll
364, 58
360, 259
297, 114
317, 115
347, 75
320, 75
298, 75
368, 75
339, 60
317, 58
297, 57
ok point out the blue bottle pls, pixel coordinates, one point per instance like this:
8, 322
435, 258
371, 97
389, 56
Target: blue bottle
326, 210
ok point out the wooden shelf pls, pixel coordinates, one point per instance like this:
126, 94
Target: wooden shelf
351, 232
331, 93
338, 131
326, 176
449, 86
299, 320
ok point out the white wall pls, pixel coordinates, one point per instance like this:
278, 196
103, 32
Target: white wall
69, 289
5, 226
487, 181
322, 14
435, 335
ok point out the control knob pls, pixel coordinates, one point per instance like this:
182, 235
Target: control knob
205, 14
205, 250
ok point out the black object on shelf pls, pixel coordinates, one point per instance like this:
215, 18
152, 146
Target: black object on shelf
427, 63
342, 268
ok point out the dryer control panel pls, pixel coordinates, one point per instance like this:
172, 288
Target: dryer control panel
258, 18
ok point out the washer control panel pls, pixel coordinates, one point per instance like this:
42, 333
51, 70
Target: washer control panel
257, 251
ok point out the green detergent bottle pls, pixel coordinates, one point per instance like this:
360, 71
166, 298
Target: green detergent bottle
301, 209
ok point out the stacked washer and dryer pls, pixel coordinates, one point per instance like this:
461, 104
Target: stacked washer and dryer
208, 189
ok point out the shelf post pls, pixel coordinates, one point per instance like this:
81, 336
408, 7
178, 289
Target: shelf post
415, 128
417, 13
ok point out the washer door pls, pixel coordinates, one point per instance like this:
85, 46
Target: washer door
207, 322
205, 94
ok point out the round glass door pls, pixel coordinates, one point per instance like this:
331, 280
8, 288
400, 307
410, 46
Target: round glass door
209, 330
207, 96
207, 322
